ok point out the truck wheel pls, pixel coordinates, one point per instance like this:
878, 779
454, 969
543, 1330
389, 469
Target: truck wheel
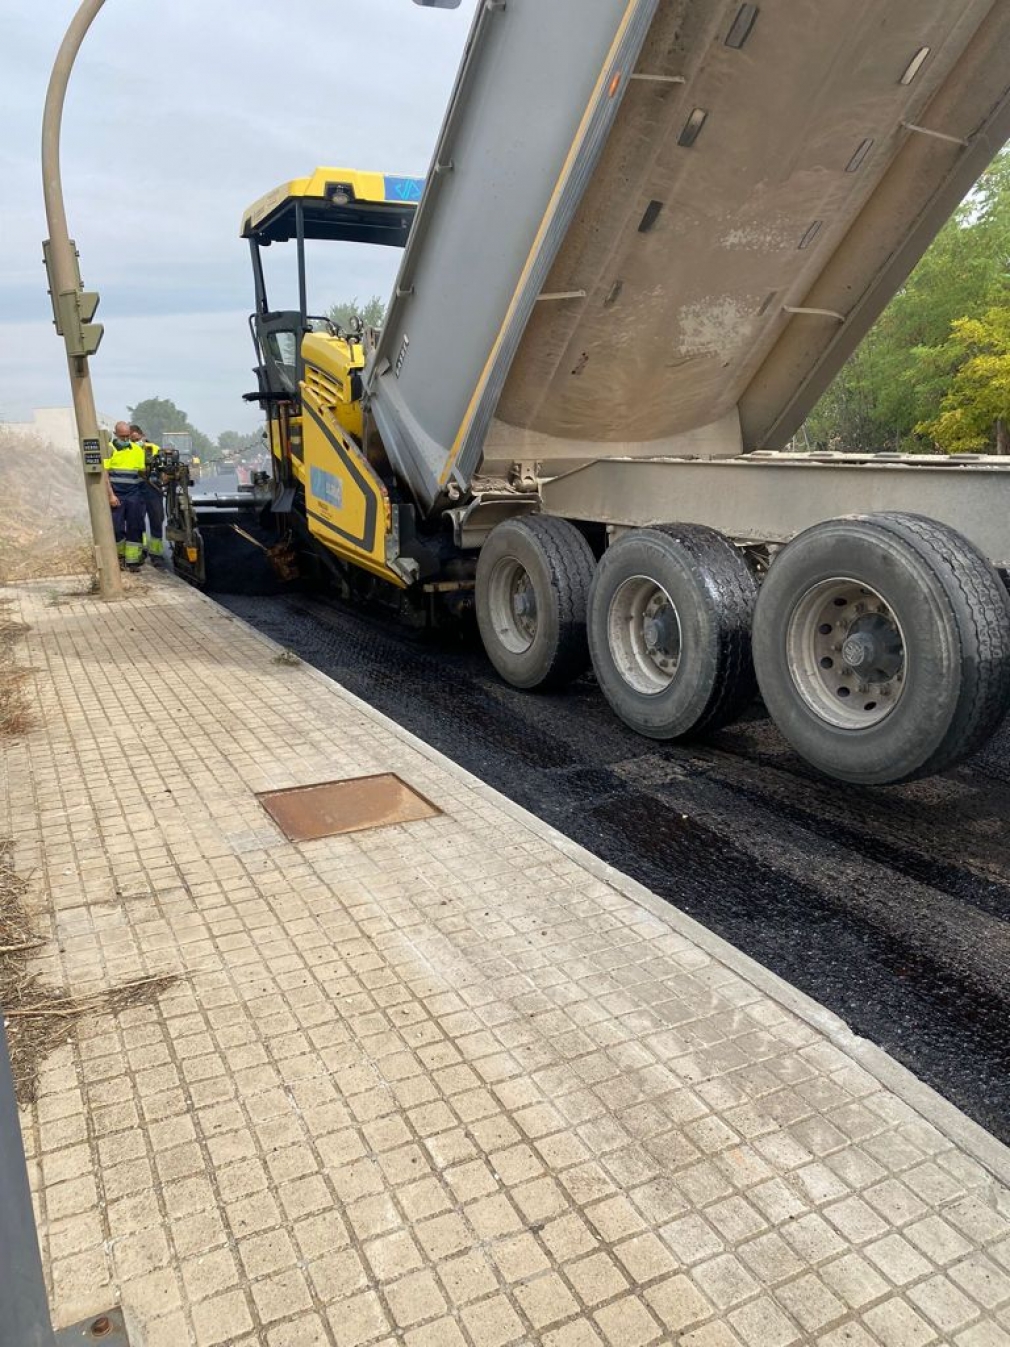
533, 577
882, 647
669, 630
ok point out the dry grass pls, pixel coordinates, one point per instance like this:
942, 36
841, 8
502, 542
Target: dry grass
15, 709
37, 1018
43, 511
73, 555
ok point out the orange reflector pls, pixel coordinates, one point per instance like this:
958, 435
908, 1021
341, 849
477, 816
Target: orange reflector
191, 554
615, 84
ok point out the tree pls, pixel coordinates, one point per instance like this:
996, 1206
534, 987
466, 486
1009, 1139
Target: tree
975, 410
158, 415
896, 381
372, 314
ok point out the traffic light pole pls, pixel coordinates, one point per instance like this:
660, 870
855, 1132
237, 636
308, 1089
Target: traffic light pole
73, 308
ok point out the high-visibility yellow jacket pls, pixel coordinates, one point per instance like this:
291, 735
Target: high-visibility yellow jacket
125, 465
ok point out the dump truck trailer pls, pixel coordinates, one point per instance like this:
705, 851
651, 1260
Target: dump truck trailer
651, 233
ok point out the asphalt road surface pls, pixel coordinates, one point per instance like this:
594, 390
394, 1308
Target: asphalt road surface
890, 906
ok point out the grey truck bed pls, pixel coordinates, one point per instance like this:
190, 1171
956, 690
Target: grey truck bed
657, 228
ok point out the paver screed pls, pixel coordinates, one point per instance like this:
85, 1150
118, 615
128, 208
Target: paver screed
433, 1084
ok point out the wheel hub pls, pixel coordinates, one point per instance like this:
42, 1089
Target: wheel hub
513, 605
661, 632
644, 635
524, 602
846, 653
873, 649
524, 606
858, 651
658, 631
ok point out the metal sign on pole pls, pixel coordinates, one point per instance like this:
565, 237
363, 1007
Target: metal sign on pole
24, 1308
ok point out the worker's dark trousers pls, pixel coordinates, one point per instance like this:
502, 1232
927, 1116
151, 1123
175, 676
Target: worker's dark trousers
154, 504
128, 520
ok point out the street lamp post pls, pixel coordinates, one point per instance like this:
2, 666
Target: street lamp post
74, 307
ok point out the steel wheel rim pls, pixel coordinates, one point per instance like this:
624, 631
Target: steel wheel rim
512, 605
644, 635
847, 653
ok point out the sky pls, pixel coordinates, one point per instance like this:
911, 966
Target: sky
177, 118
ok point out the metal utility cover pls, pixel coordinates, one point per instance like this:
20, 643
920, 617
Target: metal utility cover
350, 806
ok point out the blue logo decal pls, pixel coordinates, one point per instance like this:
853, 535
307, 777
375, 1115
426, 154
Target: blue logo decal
326, 488
403, 189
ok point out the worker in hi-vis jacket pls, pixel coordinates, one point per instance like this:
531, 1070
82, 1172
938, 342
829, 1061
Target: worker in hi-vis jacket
153, 503
126, 466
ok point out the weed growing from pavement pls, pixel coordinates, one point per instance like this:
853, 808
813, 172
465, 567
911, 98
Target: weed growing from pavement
286, 658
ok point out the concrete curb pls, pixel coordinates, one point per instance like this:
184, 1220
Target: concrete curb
961, 1130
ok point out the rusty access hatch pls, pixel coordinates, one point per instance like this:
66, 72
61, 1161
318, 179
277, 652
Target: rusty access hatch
350, 806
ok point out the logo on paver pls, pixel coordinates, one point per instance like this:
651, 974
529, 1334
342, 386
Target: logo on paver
326, 488
403, 189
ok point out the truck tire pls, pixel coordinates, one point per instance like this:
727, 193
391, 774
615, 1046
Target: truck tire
533, 578
670, 615
882, 647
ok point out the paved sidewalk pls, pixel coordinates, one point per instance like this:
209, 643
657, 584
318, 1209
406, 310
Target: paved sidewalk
434, 1084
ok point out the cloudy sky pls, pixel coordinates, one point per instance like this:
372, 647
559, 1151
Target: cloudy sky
178, 117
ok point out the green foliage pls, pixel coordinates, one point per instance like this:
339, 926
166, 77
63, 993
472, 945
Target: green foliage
974, 410
891, 392
156, 415
372, 314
